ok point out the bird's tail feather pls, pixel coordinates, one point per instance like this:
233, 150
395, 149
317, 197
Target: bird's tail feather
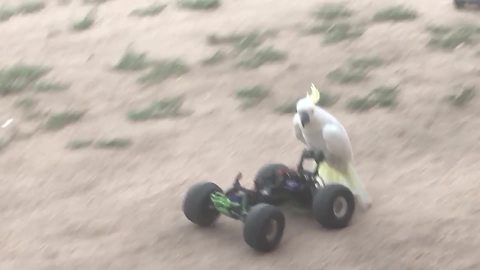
358, 185
331, 175
349, 178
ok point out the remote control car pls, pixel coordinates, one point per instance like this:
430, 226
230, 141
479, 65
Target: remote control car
332, 205
462, 3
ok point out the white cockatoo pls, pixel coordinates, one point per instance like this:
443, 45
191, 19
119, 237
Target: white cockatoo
322, 132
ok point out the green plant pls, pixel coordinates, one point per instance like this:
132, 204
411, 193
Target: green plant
335, 26
79, 144
28, 107
52, 86
395, 13
355, 70
347, 75
451, 38
239, 41
360, 104
383, 97
133, 61
64, 2
318, 28
261, 57
251, 96
439, 29
111, 143
30, 7
162, 70
366, 62
95, 1
170, 107
341, 31
463, 98
199, 4
58, 121
288, 107
331, 11
246, 48
215, 58
18, 77
114, 143
151, 10
26, 103
85, 23
25, 8
6, 14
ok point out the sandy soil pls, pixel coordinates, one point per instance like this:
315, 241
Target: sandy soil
93, 209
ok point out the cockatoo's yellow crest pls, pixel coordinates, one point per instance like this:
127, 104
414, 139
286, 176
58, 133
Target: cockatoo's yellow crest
314, 94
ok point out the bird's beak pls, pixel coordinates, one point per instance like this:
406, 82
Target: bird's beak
304, 118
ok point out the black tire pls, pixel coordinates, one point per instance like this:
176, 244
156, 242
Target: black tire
325, 203
197, 205
264, 227
459, 3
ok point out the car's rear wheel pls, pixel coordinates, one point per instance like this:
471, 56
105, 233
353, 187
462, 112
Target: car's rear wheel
333, 206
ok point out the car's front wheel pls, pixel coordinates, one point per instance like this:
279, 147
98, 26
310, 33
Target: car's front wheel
198, 206
263, 228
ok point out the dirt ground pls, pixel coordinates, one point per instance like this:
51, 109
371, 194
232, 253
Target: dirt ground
121, 209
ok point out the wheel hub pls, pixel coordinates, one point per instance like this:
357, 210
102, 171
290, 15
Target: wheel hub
340, 207
272, 229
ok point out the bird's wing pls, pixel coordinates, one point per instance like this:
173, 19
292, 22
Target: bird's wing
337, 142
298, 129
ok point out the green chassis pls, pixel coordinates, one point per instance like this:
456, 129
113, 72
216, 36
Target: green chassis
229, 208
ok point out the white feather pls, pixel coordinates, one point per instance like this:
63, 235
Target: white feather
337, 143
298, 129
325, 133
